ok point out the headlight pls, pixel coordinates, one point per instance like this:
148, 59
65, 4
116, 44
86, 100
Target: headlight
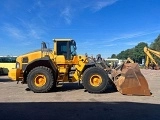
17, 65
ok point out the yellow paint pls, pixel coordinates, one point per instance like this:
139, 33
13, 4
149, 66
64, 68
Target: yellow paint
95, 80
31, 56
149, 56
60, 59
40, 80
15, 74
82, 60
62, 65
7, 66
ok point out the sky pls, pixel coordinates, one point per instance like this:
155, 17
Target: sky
103, 27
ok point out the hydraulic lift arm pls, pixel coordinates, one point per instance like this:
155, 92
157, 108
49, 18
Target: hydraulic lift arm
148, 52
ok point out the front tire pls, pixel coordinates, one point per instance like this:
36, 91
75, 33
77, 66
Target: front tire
40, 79
95, 80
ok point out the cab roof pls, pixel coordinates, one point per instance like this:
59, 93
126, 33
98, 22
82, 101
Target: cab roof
62, 39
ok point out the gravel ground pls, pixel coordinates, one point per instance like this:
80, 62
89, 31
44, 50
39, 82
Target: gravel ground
72, 102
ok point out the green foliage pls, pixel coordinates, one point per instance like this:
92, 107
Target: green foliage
135, 53
138, 51
156, 46
113, 56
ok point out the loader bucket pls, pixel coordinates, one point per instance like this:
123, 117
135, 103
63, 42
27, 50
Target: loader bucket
130, 81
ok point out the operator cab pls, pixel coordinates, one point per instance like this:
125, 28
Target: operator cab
66, 47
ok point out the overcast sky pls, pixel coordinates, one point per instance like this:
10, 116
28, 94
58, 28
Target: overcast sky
98, 26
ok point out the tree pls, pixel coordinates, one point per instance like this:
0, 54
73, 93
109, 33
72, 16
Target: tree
121, 55
156, 44
135, 53
138, 52
113, 56
125, 54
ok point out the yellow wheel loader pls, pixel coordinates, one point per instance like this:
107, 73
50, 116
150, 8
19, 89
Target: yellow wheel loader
44, 69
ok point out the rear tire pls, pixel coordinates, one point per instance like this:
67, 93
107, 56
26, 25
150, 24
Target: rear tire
95, 80
40, 80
